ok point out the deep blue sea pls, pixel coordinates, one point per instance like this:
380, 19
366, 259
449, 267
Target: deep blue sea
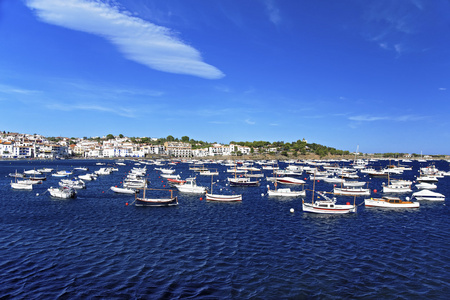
96, 246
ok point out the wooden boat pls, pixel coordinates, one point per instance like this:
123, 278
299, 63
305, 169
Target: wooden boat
21, 186
143, 201
221, 198
328, 205
390, 202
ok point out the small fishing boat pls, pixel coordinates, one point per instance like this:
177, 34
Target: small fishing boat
426, 186
21, 186
143, 201
327, 206
221, 198
62, 192
390, 202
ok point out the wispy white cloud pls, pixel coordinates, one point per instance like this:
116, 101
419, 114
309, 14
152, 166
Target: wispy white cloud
7, 89
248, 121
401, 118
272, 11
121, 111
151, 45
442, 89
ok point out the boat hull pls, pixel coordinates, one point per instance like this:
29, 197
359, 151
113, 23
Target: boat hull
223, 198
337, 209
156, 201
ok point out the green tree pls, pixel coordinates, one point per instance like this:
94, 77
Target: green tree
170, 138
185, 139
110, 137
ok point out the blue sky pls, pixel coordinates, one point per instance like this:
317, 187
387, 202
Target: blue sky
338, 73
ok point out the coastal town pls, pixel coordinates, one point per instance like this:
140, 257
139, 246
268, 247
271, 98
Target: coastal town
35, 146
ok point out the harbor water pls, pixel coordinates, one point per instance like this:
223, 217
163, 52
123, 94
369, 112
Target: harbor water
100, 245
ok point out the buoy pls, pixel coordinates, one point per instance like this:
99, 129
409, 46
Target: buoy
348, 203
262, 195
126, 204
292, 210
164, 185
201, 198
37, 194
103, 192
374, 191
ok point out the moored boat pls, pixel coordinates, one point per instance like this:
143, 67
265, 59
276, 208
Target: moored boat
62, 192
390, 202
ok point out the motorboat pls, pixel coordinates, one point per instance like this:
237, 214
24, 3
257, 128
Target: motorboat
390, 202
62, 192
426, 186
123, 190
191, 187
428, 195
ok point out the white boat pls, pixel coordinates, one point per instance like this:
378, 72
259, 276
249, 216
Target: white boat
191, 187
390, 202
353, 184
396, 188
21, 186
327, 206
209, 172
289, 180
351, 191
62, 192
171, 176
333, 180
285, 192
221, 198
426, 186
45, 170
104, 171
88, 177
75, 184
165, 171
427, 178
428, 195
32, 172
123, 190
62, 174
143, 201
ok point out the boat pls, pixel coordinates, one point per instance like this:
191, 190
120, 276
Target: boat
209, 172
143, 201
88, 177
62, 174
353, 184
426, 186
390, 202
123, 190
327, 206
242, 181
397, 186
289, 180
62, 192
21, 186
351, 191
427, 178
221, 198
285, 192
428, 195
75, 184
191, 187
175, 181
